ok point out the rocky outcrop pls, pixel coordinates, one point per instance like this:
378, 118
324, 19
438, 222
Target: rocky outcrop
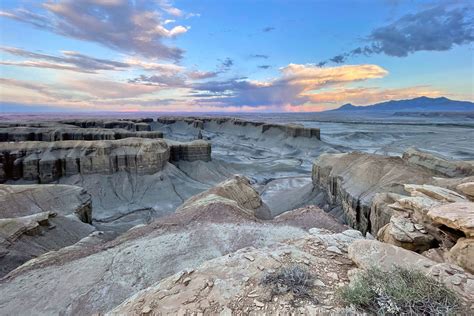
367, 253
35, 219
290, 130
46, 162
190, 151
439, 165
234, 197
50, 134
353, 180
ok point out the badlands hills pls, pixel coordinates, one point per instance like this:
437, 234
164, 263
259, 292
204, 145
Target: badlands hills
187, 215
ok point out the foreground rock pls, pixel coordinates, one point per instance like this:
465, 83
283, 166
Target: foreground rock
233, 284
35, 219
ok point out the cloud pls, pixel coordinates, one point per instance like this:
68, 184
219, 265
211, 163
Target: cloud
295, 86
264, 66
170, 81
259, 56
434, 29
70, 60
152, 66
78, 62
124, 25
37, 88
198, 75
268, 29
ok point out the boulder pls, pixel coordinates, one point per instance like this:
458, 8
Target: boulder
458, 216
462, 254
403, 232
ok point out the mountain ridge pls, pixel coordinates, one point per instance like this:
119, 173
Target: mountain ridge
411, 105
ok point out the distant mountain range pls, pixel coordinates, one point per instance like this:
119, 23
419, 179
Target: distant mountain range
421, 104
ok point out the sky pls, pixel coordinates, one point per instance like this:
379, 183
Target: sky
231, 55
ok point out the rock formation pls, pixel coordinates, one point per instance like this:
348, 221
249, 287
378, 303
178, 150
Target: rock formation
35, 219
190, 151
123, 124
352, 180
46, 162
235, 195
28, 133
439, 165
392, 199
290, 130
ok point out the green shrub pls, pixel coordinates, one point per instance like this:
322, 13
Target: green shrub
399, 291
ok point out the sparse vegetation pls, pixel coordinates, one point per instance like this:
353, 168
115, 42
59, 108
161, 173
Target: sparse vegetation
400, 292
294, 279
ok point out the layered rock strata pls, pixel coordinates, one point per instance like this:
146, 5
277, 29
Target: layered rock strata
135, 125
26, 133
46, 162
189, 151
353, 181
290, 130
439, 165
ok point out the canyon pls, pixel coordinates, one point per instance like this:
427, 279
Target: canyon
186, 214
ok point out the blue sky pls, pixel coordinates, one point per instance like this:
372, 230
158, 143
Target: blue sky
231, 55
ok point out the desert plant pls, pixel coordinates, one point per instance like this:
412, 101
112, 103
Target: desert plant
399, 292
293, 279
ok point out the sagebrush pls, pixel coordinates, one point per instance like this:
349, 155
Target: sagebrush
293, 279
400, 292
